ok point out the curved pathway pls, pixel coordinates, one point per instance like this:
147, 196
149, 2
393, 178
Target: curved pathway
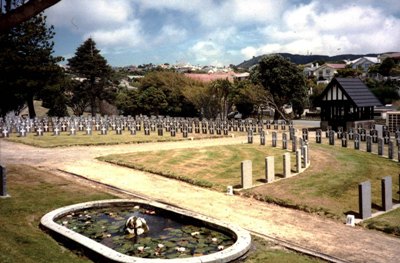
300, 228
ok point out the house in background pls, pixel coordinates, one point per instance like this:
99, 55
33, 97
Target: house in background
364, 63
326, 72
347, 103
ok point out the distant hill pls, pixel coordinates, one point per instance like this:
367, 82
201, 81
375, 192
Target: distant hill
304, 59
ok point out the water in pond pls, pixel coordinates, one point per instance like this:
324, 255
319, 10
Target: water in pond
167, 237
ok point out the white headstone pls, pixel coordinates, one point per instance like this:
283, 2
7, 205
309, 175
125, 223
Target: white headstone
350, 220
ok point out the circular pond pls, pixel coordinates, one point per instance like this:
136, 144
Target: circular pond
140, 231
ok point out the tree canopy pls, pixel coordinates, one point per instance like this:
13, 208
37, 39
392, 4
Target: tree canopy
283, 82
27, 64
91, 68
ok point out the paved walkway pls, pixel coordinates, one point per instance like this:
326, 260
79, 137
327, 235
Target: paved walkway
303, 229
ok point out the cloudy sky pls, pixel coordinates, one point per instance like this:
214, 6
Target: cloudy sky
223, 32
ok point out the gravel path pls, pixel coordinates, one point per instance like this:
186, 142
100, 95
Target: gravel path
302, 229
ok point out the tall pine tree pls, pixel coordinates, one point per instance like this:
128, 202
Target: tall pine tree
27, 64
89, 65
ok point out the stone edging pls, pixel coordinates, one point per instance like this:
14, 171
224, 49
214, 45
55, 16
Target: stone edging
239, 248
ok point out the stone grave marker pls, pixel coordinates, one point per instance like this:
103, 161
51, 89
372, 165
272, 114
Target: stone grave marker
72, 131
269, 169
304, 133
160, 130
22, 132
369, 144
185, 133
298, 160
173, 131
104, 130
380, 146
294, 144
229, 190
344, 140
284, 141
39, 131
390, 150
250, 136
356, 141
318, 136
386, 186
146, 130
3, 182
118, 130
274, 139
374, 134
350, 220
262, 138
340, 133
246, 174
286, 165
226, 130
363, 135
88, 130
276, 125
268, 125
304, 153
386, 137
56, 131
218, 129
331, 137
5, 132
364, 199
351, 134
211, 129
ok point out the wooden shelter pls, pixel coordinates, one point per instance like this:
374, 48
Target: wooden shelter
347, 102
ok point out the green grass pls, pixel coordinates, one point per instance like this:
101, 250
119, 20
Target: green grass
328, 187
215, 167
65, 140
388, 222
266, 251
34, 193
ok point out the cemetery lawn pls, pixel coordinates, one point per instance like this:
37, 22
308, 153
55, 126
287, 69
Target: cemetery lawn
214, 167
388, 222
330, 185
35, 192
80, 139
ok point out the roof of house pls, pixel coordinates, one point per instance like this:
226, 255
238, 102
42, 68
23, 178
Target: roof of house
356, 91
335, 66
210, 77
371, 59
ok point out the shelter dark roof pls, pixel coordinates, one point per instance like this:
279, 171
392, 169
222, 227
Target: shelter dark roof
356, 91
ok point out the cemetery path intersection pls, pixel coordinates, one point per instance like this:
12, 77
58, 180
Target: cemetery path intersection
305, 230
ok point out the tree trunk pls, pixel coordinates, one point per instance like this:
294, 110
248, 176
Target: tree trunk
93, 106
31, 107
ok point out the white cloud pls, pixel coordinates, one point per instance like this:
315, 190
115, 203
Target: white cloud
127, 36
170, 34
82, 15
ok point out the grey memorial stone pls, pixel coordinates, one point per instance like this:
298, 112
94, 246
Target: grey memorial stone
72, 131
390, 150
380, 146
386, 185
146, 130
22, 132
351, 134
331, 137
304, 133
56, 131
39, 131
294, 144
286, 165
274, 139
262, 138
284, 141
304, 153
374, 135
344, 139
247, 174
356, 141
88, 130
298, 160
173, 132
318, 136
3, 182
103, 130
364, 199
270, 168
250, 136
386, 137
185, 133
369, 144
118, 130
